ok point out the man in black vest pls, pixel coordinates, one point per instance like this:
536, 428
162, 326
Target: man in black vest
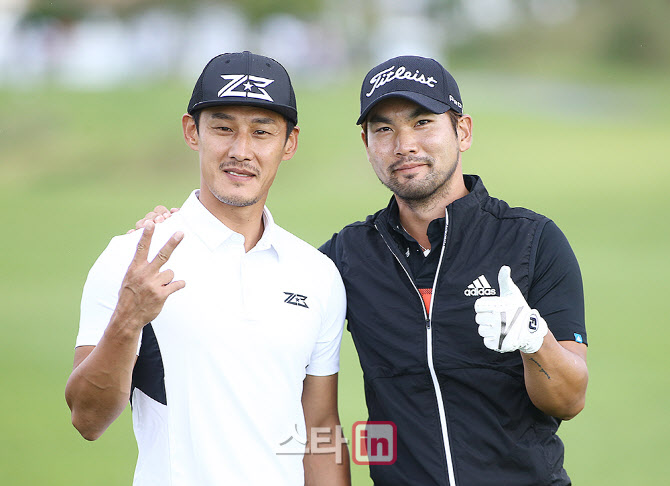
476, 378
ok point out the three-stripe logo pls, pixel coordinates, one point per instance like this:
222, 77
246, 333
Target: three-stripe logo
479, 287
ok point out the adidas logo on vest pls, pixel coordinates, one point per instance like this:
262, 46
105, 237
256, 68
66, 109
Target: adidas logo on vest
479, 287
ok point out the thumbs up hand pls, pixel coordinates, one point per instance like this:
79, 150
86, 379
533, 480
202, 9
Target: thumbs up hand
506, 322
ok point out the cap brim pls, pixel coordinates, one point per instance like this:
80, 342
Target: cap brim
418, 98
284, 110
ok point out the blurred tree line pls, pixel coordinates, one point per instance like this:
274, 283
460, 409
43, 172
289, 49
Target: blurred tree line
633, 34
618, 31
254, 11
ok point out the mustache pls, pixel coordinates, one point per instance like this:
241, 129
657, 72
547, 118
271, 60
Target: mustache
240, 165
410, 159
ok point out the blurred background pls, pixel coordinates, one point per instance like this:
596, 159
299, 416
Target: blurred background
571, 108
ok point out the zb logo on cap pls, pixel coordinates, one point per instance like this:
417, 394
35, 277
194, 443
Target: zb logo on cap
248, 92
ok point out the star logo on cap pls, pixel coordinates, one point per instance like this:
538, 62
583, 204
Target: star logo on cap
235, 80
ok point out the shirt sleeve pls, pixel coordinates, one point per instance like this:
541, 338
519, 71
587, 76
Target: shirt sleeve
325, 358
101, 290
556, 289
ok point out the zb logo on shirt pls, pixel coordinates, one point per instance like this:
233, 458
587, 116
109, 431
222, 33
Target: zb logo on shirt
296, 299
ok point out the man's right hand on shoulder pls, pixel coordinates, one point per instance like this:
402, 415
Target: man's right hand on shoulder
145, 288
158, 215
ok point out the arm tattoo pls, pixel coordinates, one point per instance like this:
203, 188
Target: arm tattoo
542, 370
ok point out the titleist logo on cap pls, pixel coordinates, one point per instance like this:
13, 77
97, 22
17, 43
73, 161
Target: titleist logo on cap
388, 75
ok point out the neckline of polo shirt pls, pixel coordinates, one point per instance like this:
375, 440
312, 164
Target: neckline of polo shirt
209, 229
269, 237
213, 232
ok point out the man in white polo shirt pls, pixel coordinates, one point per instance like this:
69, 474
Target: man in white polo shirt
230, 356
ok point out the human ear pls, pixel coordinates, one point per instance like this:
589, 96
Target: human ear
190, 131
464, 132
291, 145
364, 136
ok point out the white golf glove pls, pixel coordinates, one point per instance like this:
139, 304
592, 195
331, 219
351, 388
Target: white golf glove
506, 322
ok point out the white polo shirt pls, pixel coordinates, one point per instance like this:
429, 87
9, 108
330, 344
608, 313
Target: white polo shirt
233, 348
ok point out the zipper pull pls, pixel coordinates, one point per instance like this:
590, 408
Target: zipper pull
427, 323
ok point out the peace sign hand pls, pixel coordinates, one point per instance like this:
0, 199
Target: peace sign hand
145, 288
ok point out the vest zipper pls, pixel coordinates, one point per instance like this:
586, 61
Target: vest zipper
429, 346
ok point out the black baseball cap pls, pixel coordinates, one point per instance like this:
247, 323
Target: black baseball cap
243, 78
418, 79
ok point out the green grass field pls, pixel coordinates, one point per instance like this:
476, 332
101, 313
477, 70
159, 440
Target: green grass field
78, 168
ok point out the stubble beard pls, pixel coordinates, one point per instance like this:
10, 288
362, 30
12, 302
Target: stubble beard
420, 192
237, 201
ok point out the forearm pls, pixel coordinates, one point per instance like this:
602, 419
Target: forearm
99, 387
327, 462
556, 378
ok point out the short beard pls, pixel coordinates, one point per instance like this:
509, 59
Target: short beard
231, 200
434, 185
234, 201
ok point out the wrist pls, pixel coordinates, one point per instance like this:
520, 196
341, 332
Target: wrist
537, 330
126, 324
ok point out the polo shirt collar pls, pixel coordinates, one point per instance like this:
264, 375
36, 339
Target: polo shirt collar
214, 233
